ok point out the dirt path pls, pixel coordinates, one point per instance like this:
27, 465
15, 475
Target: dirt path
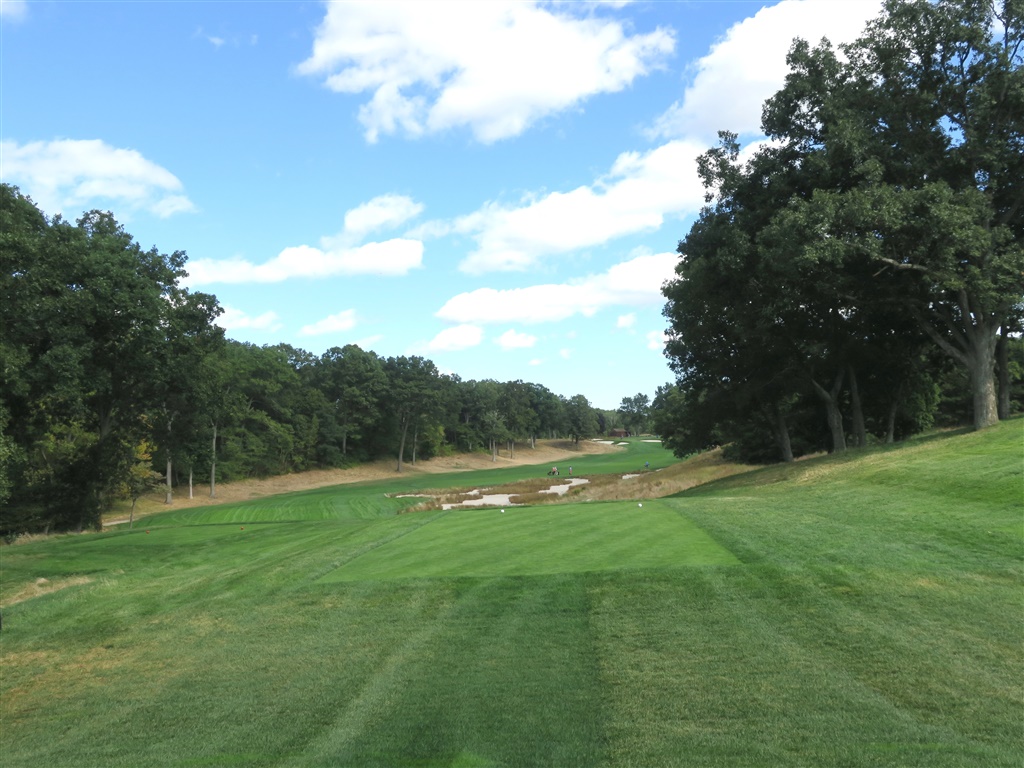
547, 451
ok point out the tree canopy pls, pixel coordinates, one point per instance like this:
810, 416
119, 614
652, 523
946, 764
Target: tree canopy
881, 221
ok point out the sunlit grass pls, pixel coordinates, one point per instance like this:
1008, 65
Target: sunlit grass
856, 611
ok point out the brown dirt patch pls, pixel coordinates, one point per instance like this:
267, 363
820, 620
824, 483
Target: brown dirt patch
44, 587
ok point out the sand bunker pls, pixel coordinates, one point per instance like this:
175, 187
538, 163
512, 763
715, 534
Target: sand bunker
495, 499
564, 487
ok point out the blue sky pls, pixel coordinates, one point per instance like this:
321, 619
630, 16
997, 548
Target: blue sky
497, 186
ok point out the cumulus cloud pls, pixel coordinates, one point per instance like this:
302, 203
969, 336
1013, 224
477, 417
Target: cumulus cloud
641, 189
495, 67
511, 339
455, 339
232, 319
72, 175
380, 212
748, 65
342, 321
626, 321
337, 254
636, 282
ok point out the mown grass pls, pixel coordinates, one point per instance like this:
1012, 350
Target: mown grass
846, 611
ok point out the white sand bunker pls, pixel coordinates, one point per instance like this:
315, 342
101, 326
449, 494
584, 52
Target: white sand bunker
630, 477
650, 441
622, 443
495, 499
563, 487
604, 442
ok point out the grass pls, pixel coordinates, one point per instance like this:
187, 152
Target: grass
862, 610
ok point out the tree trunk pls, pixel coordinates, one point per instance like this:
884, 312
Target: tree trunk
190, 482
494, 450
131, 514
415, 440
973, 344
890, 423
860, 433
169, 498
213, 465
1003, 373
782, 434
983, 385
344, 441
834, 415
401, 444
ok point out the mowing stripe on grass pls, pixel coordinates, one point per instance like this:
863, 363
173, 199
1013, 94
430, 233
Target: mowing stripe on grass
545, 540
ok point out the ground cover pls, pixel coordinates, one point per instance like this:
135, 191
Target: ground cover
865, 612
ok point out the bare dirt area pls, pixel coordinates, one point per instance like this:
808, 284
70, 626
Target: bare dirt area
546, 451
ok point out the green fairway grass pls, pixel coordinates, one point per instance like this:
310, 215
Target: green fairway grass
862, 610
541, 540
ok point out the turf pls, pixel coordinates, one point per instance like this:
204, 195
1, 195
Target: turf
855, 611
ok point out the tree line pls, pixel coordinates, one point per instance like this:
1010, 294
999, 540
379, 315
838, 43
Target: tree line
116, 377
866, 259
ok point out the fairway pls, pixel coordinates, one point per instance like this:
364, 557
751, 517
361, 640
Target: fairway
532, 541
859, 611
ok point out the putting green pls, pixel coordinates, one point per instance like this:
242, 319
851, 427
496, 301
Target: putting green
544, 540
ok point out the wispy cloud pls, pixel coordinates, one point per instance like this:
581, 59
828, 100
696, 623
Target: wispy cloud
342, 321
13, 10
495, 67
232, 319
70, 175
511, 339
337, 254
748, 65
456, 339
636, 282
637, 194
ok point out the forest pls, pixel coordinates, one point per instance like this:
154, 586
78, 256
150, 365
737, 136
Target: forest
859, 275
117, 379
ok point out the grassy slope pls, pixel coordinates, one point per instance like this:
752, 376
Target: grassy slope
853, 611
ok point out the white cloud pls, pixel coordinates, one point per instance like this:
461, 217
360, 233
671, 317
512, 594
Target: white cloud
636, 195
536, 361
13, 10
380, 212
626, 321
565, 354
232, 319
69, 175
342, 321
514, 340
389, 258
748, 65
496, 67
636, 282
656, 340
337, 254
455, 339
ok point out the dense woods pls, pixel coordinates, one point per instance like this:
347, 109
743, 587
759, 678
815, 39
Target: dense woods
863, 269
117, 379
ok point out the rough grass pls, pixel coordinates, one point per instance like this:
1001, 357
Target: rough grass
865, 611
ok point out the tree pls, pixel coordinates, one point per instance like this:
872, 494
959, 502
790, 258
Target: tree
921, 136
635, 412
581, 420
413, 383
353, 381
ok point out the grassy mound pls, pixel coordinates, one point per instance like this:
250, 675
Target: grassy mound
861, 610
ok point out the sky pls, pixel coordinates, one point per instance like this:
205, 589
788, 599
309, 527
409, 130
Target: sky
497, 186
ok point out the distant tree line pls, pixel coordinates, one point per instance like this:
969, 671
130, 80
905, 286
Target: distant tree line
862, 272
115, 378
